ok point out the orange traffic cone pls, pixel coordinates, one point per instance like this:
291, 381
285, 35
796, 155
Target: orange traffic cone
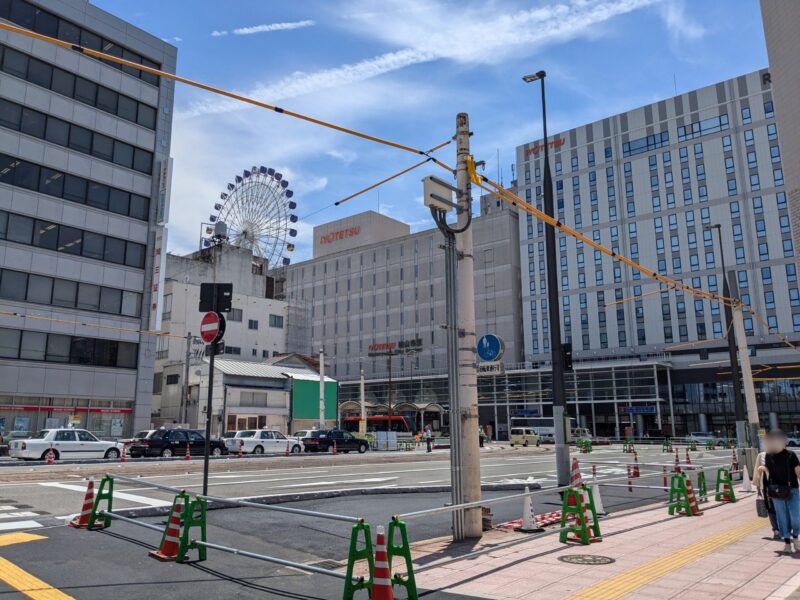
630, 489
692, 499
677, 462
382, 578
636, 472
334, 447
122, 456
187, 456
241, 449
82, 520
51, 457
286, 453
664, 470
688, 458
170, 544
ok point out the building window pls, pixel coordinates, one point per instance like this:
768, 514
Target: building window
777, 175
173, 379
70, 240
236, 315
80, 139
233, 350
769, 111
276, 321
732, 190
726, 143
772, 131
746, 115
749, 139
52, 347
252, 324
65, 83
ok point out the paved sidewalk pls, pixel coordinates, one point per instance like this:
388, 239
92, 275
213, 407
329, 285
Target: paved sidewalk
728, 552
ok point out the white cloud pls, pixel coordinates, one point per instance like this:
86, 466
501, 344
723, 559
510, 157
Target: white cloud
273, 27
680, 25
265, 28
345, 156
427, 32
177, 39
299, 83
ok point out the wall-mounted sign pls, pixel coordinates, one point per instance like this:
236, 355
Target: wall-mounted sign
525, 412
490, 348
333, 236
637, 410
552, 144
395, 347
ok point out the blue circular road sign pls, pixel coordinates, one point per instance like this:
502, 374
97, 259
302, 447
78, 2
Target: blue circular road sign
490, 348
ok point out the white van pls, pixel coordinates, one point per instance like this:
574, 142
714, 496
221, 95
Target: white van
524, 436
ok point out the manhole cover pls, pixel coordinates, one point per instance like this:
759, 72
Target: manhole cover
586, 559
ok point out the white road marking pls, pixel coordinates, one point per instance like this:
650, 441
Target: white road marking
19, 525
119, 495
370, 480
8, 507
19, 515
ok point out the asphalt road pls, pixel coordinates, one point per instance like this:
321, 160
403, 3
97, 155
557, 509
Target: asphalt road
113, 564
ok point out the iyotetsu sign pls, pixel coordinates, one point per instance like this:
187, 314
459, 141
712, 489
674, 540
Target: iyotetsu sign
557, 143
333, 236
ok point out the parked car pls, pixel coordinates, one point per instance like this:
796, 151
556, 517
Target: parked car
66, 443
524, 436
323, 441
701, 437
172, 442
793, 439
264, 441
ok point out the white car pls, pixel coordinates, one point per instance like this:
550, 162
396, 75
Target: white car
66, 444
264, 442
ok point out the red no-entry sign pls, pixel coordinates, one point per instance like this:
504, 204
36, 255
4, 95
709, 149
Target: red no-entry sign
212, 327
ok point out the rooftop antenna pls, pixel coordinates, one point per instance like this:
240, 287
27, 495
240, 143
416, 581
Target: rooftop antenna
675, 83
513, 172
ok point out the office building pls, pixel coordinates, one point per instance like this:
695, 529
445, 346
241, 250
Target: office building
373, 287
82, 145
648, 183
256, 328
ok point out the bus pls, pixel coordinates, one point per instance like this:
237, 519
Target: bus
403, 426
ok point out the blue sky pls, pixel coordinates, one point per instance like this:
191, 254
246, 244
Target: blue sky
402, 69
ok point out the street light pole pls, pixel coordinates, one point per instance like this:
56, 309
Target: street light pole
553, 309
736, 382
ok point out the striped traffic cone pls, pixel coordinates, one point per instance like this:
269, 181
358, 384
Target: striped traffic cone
630, 476
677, 462
334, 447
241, 449
664, 471
51, 457
382, 578
188, 455
688, 458
286, 453
122, 456
170, 544
636, 465
692, 499
575, 480
82, 520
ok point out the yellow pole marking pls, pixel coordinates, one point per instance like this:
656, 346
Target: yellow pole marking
27, 584
9, 539
631, 580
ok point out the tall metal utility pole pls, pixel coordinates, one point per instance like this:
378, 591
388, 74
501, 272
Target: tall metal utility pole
736, 381
362, 398
467, 369
553, 308
322, 388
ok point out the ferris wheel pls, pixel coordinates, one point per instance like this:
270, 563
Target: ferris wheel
256, 208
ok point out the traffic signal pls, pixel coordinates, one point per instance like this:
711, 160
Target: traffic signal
566, 356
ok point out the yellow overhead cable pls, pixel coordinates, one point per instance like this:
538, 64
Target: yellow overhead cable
395, 176
639, 297
203, 86
514, 200
782, 337
34, 317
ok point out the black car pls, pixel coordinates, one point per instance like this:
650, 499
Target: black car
172, 442
323, 441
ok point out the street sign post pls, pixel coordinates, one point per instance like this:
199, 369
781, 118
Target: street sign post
490, 348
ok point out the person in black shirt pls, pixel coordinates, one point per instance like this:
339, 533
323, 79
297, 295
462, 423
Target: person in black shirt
782, 468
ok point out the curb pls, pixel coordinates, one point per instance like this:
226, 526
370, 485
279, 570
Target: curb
151, 511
